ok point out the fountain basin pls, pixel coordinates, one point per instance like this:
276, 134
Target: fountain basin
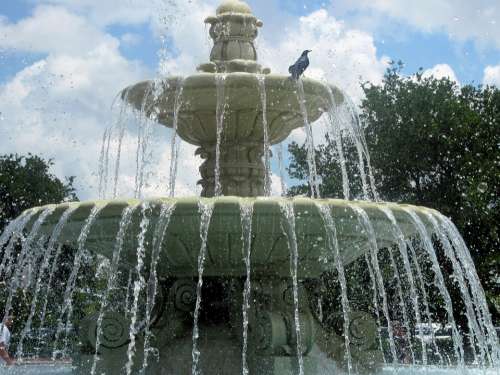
197, 121
270, 250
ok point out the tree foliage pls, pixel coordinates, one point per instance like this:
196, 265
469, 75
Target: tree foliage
432, 143
25, 182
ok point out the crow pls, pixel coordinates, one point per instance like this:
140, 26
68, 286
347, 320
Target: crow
300, 66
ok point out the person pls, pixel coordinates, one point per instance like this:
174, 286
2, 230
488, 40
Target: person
5, 358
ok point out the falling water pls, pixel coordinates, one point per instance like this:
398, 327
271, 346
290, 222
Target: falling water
158, 237
10, 235
475, 285
425, 300
67, 305
103, 164
138, 284
458, 276
267, 147
53, 268
205, 209
375, 303
281, 167
39, 282
440, 284
359, 134
399, 237
143, 155
121, 126
311, 160
220, 111
127, 297
174, 146
364, 220
288, 227
21, 260
246, 213
336, 133
333, 244
120, 237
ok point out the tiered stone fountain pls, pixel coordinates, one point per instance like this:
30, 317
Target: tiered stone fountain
233, 278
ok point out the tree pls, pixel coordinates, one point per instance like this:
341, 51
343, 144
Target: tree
25, 182
432, 143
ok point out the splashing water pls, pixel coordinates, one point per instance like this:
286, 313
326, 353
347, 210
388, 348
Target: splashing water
281, 169
336, 134
46, 261
311, 160
440, 284
174, 145
267, 147
246, 213
220, 112
120, 237
365, 223
158, 237
399, 237
206, 210
138, 285
67, 306
288, 227
333, 244
21, 263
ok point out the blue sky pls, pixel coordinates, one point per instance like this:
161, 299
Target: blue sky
62, 62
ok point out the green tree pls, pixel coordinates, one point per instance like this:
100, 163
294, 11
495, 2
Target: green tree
25, 182
432, 143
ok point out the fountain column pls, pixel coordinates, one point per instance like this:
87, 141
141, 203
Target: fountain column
233, 165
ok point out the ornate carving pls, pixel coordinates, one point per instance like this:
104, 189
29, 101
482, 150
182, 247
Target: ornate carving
242, 169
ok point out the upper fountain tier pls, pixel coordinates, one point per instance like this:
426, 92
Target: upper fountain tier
233, 82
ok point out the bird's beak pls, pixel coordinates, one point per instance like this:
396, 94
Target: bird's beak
309, 50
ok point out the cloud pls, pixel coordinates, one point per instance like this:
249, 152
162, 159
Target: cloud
53, 30
59, 106
462, 20
492, 75
441, 71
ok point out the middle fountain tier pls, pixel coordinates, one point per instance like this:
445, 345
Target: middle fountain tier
237, 99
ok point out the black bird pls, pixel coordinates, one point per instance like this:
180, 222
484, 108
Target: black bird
300, 65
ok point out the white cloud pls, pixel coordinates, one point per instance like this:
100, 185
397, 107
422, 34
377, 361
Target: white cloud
59, 106
492, 75
53, 30
441, 71
341, 55
462, 20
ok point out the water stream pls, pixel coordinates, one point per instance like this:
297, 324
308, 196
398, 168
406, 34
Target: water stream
366, 224
333, 244
288, 227
166, 211
174, 144
51, 246
139, 285
281, 167
267, 147
206, 210
311, 159
246, 213
220, 80
440, 284
67, 305
400, 238
125, 220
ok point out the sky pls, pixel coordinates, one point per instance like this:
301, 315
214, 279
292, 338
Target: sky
63, 63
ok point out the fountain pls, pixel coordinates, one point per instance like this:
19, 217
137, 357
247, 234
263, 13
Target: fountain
236, 281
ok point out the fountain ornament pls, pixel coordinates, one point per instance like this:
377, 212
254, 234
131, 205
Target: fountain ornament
231, 283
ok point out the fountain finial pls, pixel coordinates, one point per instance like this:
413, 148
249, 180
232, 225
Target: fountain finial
233, 29
234, 6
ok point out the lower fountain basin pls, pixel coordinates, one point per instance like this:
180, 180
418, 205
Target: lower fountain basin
270, 251
243, 114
